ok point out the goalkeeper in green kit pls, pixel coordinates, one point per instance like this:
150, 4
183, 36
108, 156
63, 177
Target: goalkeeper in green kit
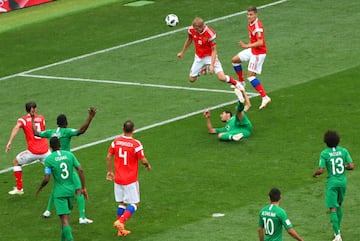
336, 160
64, 134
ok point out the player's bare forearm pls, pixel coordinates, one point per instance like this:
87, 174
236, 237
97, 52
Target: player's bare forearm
186, 46
213, 58
318, 172
294, 234
109, 162
14, 132
350, 166
44, 182
247, 101
258, 43
146, 163
261, 234
109, 174
209, 126
82, 180
92, 112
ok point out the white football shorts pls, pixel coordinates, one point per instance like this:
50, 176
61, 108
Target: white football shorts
255, 61
26, 157
199, 63
129, 194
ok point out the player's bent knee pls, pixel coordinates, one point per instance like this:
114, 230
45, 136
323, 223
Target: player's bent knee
236, 60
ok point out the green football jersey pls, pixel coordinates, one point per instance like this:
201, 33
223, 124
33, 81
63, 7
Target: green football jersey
234, 123
335, 160
61, 165
272, 218
64, 135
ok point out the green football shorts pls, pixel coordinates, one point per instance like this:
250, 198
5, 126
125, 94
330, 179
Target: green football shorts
334, 196
63, 205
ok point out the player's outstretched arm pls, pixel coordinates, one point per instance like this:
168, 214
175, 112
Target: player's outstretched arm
44, 182
247, 101
186, 46
209, 126
92, 112
110, 173
82, 179
14, 132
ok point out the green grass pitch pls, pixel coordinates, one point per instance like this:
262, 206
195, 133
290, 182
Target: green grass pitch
69, 55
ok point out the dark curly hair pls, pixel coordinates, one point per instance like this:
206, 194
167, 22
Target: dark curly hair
331, 138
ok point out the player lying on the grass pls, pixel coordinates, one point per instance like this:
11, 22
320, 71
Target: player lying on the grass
238, 126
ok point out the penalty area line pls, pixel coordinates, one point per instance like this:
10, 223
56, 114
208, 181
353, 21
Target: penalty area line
124, 83
161, 123
143, 128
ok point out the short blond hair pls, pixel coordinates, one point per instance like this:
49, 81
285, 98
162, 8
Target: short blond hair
198, 22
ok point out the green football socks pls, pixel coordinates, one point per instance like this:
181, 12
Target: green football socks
334, 222
66, 232
81, 205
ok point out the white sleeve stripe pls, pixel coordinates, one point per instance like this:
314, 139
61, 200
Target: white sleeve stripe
139, 148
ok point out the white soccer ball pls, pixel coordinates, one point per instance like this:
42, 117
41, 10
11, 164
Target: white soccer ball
171, 20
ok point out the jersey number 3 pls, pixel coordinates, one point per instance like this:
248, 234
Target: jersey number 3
64, 170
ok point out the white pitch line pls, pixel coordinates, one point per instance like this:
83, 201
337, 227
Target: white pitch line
124, 83
144, 128
125, 45
162, 123
134, 42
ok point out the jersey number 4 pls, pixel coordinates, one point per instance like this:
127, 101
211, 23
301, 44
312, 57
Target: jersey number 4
123, 155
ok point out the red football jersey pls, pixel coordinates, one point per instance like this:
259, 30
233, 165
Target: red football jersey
256, 32
203, 41
35, 145
127, 151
